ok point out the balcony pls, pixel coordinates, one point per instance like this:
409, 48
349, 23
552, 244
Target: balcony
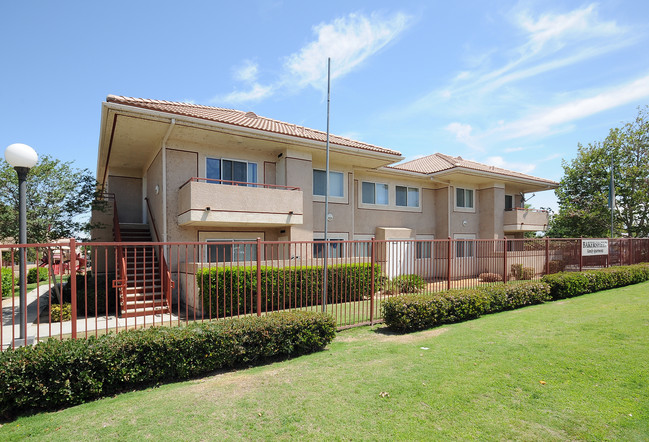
209, 202
525, 220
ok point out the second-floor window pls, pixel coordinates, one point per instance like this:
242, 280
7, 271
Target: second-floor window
509, 202
231, 170
336, 183
464, 198
407, 196
374, 193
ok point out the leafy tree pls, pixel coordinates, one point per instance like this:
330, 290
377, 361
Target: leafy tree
58, 195
584, 190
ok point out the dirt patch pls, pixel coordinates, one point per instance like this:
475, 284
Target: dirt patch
384, 335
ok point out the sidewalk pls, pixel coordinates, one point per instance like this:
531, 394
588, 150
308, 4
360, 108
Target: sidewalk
38, 299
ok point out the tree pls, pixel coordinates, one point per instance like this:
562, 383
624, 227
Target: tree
58, 195
583, 192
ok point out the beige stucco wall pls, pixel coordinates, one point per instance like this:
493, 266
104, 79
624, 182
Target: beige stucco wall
492, 210
128, 194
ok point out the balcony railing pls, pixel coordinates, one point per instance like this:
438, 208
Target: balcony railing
236, 203
525, 220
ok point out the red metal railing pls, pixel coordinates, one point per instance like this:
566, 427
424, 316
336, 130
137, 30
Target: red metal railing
237, 183
220, 279
167, 283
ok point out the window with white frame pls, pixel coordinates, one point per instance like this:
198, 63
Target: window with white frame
407, 196
336, 248
424, 246
362, 248
463, 198
464, 246
231, 172
374, 193
336, 183
230, 250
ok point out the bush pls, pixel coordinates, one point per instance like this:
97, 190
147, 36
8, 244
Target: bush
57, 373
527, 273
404, 284
95, 294
490, 277
7, 282
61, 313
226, 291
517, 270
556, 266
418, 312
570, 284
37, 274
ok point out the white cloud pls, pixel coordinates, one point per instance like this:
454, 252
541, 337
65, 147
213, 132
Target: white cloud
348, 40
247, 72
551, 41
547, 120
255, 93
499, 161
463, 133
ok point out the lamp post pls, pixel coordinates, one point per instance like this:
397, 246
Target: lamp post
22, 158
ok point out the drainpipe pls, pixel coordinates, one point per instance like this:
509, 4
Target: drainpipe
164, 179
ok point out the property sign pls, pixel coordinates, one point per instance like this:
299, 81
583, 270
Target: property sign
594, 247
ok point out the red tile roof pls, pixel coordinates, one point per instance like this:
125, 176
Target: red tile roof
244, 119
439, 163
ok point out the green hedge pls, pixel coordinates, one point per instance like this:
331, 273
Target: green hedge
7, 282
421, 311
56, 373
95, 302
226, 291
569, 284
37, 274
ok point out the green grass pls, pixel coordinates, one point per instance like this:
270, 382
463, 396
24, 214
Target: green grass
479, 379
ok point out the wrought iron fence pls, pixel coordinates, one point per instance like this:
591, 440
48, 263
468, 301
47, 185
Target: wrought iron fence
91, 288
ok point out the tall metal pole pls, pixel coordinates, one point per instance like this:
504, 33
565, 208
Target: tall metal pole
22, 239
326, 215
611, 194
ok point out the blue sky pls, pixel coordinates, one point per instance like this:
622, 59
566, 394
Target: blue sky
512, 84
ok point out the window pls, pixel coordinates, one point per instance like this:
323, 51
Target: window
464, 198
230, 250
362, 248
424, 248
407, 196
336, 183
335, 248
509, 202
231, 170
464, 246
374, 193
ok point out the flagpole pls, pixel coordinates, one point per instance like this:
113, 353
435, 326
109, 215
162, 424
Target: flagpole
326, 211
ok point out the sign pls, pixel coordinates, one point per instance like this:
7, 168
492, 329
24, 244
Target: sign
594, 247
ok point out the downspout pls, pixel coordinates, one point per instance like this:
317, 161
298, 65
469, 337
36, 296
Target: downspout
164, 179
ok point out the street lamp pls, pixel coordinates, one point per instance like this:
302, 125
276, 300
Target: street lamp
22, 158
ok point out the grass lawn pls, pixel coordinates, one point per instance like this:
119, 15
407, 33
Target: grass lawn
573, 369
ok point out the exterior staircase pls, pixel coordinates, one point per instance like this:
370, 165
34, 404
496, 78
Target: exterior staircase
144, 292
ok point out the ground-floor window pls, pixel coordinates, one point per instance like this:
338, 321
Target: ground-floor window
424, 247
224, 250
464, 248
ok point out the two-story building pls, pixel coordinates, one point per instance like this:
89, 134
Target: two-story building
196, 173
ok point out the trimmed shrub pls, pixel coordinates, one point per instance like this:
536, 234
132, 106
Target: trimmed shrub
556, 266
95, 294
527, 273
37, 274
517, 270
61, 313
418, 312
490, 277
404, 284
570, 284
57, 373
7, 282
226, 291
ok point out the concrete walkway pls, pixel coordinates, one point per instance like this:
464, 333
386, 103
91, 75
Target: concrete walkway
39, 299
